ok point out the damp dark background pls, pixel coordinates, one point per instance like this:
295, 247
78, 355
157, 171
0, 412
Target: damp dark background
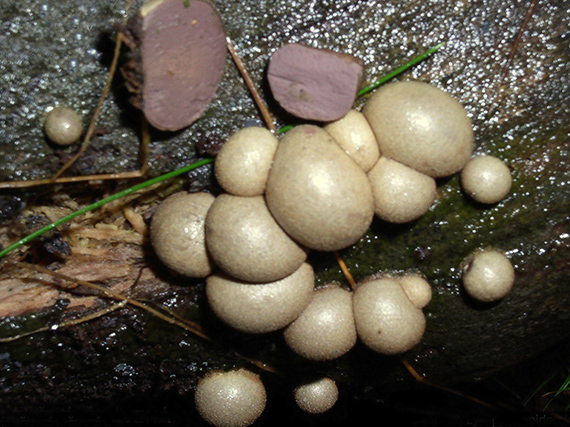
58, 53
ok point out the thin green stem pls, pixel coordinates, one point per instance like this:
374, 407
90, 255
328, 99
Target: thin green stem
102, 202
399, 70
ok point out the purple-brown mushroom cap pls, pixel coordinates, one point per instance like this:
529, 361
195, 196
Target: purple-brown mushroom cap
183, 55
314, 84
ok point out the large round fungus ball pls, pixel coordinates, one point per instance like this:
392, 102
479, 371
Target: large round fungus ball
354, 135
177, 233
325, 330
242, 165
318, 194
421, 126
247, 243
230, 399
260, 308
316, 396
386, 319
488, 275
401, 194
63, 126
486, 179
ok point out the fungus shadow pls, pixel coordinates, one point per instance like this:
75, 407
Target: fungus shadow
389, 229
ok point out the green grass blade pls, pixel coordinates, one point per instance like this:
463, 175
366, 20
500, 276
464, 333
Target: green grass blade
399, 70
541, 385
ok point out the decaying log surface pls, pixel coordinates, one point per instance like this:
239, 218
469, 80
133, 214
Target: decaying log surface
136, 366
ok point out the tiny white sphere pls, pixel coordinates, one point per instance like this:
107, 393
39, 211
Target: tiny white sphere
486, 179
317, 396
243, 163
354, 135
417, 289
63, 126
230, 399
488, 275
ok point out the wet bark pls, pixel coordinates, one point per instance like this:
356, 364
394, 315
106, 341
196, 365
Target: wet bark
128, 358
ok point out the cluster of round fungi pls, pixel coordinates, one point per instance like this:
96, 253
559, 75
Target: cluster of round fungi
318, 189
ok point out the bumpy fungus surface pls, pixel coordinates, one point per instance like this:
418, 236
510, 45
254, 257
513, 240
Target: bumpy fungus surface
230, 399
421, 126
247, 243
488, 275
317, 396
260, 308
325, 330
486, 179
63, 126
183, 55
314, 84
386, 319
177, 233
318, 194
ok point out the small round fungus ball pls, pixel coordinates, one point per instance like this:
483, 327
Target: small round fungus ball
247, 243
488, 275
230, 399
243, 163
401, 194
416, 288
354, 135
316, 192
325, 330
177, 233
260, 308
317, 396
63, 126
421, 126
486, 179
386, 319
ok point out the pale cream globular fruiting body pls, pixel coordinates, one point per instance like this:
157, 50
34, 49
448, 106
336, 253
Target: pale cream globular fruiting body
260, 308
63, 126
416, 288
230, 399
177, 233
387, 321
246, 242
486, 179
317, 193
244, 161
421, 126
488, 275
325, 330
355, 137
401, 194
318, 396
